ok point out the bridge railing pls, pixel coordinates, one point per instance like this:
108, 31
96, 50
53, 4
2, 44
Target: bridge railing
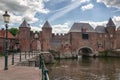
42, 66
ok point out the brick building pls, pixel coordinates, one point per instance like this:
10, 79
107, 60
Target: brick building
11, 41
81, 38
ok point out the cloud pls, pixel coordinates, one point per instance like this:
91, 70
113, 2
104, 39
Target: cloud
61, 28
111, 3
67, 9
87, 7
20, 9
65, 27
94, 24
116, 20
35, 28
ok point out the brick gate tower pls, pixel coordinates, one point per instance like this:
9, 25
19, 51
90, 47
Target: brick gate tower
111, 31
24, 36
46, 36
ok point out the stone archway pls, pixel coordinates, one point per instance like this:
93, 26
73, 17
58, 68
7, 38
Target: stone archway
36, 45
85, 51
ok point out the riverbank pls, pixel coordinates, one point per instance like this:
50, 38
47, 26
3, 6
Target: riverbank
109, 53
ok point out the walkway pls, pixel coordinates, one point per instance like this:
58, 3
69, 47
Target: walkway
16, 59
18, 72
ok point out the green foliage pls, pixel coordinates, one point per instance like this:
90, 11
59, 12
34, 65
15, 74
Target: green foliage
54, 53
1, 54
106, 53
13, 31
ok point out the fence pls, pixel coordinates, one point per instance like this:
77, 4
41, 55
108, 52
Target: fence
42, 66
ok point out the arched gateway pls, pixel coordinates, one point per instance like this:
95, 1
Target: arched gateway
85, 51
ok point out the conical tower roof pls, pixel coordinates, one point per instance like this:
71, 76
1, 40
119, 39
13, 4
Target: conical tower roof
46, 25
110, 23
24, 24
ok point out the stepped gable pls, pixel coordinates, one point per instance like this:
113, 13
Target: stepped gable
24, 24
77, 27
100, 29
46, 25
110, 23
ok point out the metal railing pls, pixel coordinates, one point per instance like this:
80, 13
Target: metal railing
42, 66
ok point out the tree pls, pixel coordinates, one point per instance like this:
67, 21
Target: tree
13, 31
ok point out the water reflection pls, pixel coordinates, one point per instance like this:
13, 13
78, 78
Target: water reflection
86, 69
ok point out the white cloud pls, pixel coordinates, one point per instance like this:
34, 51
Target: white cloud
65, 27
111, 3
67, 9
116, 19
20, 9
87, 7
94, 24
61, 28
34, 28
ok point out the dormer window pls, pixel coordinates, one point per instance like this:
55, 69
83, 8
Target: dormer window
83, 29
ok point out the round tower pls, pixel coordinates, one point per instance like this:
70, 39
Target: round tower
46, 36
24, 36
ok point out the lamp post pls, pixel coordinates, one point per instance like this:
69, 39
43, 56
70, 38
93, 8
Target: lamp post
6, 18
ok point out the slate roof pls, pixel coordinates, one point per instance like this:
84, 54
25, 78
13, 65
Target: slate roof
100, 29
24, 24
77, 27
46, 25
110, 23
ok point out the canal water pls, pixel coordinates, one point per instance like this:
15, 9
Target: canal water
85, 69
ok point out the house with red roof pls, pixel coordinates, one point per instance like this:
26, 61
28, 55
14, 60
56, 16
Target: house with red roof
11, 40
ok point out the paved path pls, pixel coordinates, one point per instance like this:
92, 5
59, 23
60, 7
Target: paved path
20, 73
16, 60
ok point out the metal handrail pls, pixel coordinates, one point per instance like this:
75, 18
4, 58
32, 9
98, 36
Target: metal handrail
42, 66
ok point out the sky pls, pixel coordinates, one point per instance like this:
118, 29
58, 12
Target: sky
61, 14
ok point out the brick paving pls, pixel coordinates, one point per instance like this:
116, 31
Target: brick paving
16, 59
21, 73
18, 72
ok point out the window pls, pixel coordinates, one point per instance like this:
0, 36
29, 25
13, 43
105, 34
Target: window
85, 36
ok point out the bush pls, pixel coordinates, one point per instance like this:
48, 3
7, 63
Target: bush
1, 54
54, 53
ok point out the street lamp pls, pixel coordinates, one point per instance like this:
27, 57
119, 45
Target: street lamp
6, 18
